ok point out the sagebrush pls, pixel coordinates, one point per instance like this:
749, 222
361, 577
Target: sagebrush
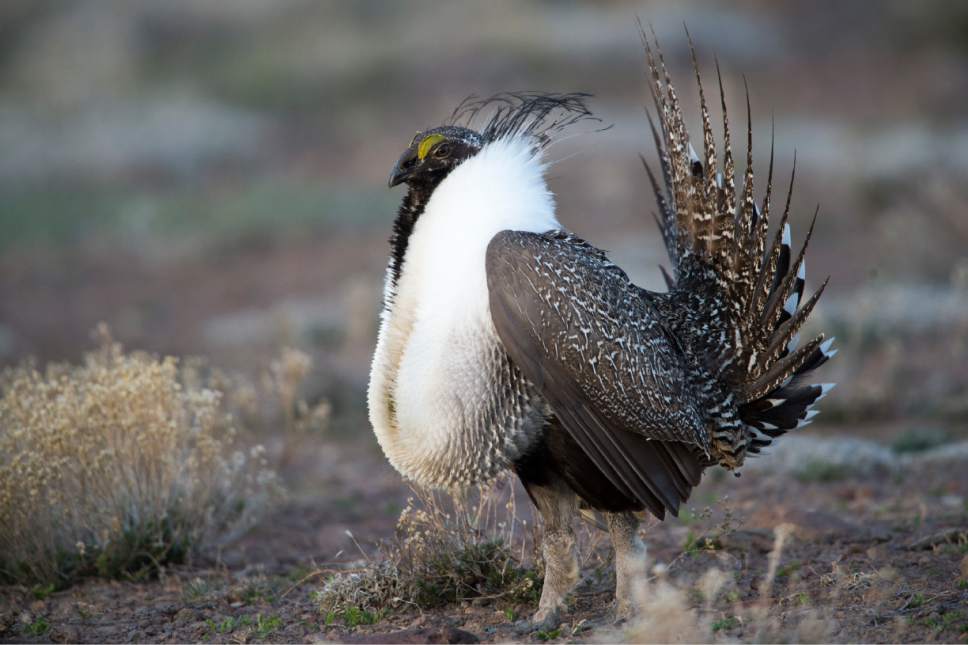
117, 466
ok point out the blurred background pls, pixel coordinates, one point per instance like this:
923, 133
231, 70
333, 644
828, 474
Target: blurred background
209, 178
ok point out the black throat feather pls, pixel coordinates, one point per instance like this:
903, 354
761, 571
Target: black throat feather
410, 210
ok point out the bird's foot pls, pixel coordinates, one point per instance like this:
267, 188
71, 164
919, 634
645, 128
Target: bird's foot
544, 620
622, 609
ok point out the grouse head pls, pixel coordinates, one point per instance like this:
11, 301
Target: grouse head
536, 116
432, 154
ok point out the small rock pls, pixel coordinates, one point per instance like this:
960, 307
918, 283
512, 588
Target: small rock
184, 615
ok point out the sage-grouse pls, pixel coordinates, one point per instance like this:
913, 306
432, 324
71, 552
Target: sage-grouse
507, 342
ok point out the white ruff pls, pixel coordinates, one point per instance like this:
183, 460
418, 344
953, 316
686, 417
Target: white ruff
428, 382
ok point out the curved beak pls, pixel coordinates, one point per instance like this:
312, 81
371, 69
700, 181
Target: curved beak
403, 169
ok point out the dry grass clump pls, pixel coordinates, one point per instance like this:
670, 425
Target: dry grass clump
669, 612
117, 466
446, 550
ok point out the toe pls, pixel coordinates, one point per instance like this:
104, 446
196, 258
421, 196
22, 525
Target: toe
544, 620
621, 610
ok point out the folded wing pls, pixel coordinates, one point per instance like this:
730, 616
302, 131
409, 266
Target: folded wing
595, 346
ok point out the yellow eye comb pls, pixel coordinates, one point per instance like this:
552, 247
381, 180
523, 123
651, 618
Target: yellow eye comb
429, 142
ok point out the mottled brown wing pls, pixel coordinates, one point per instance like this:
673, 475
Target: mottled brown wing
595, 346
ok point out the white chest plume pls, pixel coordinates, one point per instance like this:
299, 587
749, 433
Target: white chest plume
438, 359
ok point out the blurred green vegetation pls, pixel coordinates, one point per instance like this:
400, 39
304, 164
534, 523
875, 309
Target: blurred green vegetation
275, 207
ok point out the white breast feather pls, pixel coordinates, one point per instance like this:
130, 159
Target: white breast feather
424, 379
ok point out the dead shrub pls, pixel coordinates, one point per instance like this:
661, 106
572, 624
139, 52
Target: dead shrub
118, 466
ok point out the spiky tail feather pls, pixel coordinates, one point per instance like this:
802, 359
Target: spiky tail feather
735, 302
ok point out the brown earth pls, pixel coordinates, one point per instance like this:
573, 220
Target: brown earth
873, 557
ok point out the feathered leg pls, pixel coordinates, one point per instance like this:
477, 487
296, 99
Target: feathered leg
558, 507
629, 553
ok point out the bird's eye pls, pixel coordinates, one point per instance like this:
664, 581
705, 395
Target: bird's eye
442, 151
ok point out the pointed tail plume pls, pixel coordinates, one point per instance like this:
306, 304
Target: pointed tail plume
736, 297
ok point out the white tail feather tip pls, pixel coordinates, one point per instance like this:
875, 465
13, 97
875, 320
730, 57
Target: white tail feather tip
824, 390
786, 234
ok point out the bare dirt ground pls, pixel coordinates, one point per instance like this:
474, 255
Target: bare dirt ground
873, 556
